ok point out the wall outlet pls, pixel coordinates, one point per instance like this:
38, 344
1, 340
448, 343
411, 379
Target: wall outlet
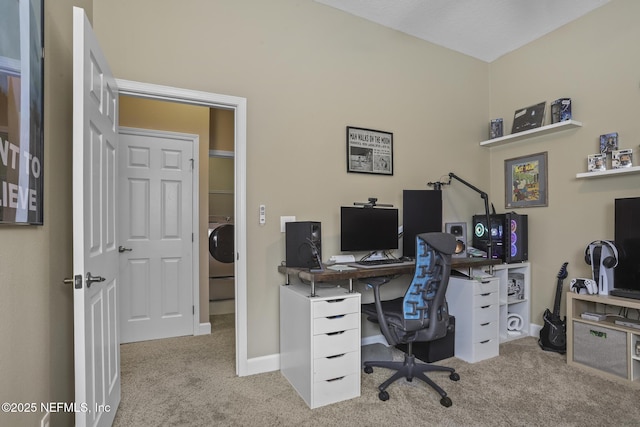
284, 220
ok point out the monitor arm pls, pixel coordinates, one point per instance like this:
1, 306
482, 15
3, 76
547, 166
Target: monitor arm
485, 197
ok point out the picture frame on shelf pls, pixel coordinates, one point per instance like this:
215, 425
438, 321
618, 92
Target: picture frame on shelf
609, 142
526, 181
369, 151
529, 117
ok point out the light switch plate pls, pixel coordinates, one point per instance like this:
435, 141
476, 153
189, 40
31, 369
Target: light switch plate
284, 220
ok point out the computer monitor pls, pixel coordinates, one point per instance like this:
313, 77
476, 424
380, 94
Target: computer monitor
368, 229
627, 239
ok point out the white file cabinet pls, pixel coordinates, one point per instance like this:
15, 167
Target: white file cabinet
476, 306
320, 343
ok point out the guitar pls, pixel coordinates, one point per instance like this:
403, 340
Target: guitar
553, 336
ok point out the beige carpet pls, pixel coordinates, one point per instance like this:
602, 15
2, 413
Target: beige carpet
190, 381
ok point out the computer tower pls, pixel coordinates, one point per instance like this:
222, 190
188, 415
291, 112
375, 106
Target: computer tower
459, 230
421, 213
303, 245
509, 236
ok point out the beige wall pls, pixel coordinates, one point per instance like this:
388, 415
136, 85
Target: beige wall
308, 71
595, 62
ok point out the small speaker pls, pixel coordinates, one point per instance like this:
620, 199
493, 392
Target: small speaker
458, 229
303, 244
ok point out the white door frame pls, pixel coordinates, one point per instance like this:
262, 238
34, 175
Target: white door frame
194, 139
239, 106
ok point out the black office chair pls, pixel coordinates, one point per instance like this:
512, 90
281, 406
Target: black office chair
421, 315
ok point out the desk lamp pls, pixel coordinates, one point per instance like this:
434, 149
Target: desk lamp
438, 186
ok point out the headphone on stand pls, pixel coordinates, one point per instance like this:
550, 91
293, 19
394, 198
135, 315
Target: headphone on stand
608, 262
593, 257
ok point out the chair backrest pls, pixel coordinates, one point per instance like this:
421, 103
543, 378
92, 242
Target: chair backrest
424, 305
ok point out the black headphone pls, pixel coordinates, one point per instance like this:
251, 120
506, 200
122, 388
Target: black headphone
608, 262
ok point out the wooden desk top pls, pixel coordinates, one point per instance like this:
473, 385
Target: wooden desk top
388, 270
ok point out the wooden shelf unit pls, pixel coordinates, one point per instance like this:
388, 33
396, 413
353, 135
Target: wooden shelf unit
622, 363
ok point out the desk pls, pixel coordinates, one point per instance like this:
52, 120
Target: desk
387, 270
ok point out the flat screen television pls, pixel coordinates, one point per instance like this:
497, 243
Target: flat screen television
368, 229
627, 239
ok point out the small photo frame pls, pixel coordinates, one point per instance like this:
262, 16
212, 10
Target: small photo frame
526, 184
369, 151
597, 162
528, 118
608, 142
495, 129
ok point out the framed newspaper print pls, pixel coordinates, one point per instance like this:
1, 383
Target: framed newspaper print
525, 181
21, 112
369, 151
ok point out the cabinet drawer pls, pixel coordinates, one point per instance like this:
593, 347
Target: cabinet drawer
485, 331
335, 390
327, 368
489, 286
484, 299
485, 349
334, 307
485, 314
336, 343
323, 325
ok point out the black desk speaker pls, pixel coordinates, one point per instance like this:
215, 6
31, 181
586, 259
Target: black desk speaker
303, 242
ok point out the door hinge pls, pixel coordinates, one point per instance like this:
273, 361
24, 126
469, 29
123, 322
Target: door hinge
192, 164
193, 310
193, 238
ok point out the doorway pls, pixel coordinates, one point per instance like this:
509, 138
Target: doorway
238, 105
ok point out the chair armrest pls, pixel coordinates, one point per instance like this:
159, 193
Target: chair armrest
376, 283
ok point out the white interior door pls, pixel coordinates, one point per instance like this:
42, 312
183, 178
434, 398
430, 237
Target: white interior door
95, 254
156, 199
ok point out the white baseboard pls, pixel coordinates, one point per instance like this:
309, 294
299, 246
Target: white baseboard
259, 365
204, 329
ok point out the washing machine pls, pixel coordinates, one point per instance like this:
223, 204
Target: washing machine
221, 261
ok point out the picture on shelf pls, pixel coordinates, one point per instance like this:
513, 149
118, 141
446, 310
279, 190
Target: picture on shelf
529, 118
561, 110
597, 162
622, 158
608, 142
495, 129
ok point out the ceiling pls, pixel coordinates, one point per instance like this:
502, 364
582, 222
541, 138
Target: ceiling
483, 29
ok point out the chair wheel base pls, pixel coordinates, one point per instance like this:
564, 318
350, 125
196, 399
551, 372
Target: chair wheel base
454, 376
383, 395
368, 370
446, 402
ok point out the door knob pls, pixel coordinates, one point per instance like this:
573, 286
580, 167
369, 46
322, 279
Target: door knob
123, 249
76, 281
91, 279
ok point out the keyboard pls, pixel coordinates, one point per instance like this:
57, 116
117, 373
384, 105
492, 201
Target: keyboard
373, 263
625, 293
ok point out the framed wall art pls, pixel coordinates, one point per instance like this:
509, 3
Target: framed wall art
369, 151
526, 182
21, 112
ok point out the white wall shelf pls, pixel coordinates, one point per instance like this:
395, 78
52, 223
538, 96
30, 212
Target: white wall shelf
527, 134
610, 172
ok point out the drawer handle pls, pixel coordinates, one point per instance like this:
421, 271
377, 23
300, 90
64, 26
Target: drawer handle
486, 306
484, 342
335, 379
485, 324
331, 301
336, 333
339, 316
486, 295
336, 356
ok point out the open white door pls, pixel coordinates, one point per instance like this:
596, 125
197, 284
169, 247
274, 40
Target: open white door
95, 253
